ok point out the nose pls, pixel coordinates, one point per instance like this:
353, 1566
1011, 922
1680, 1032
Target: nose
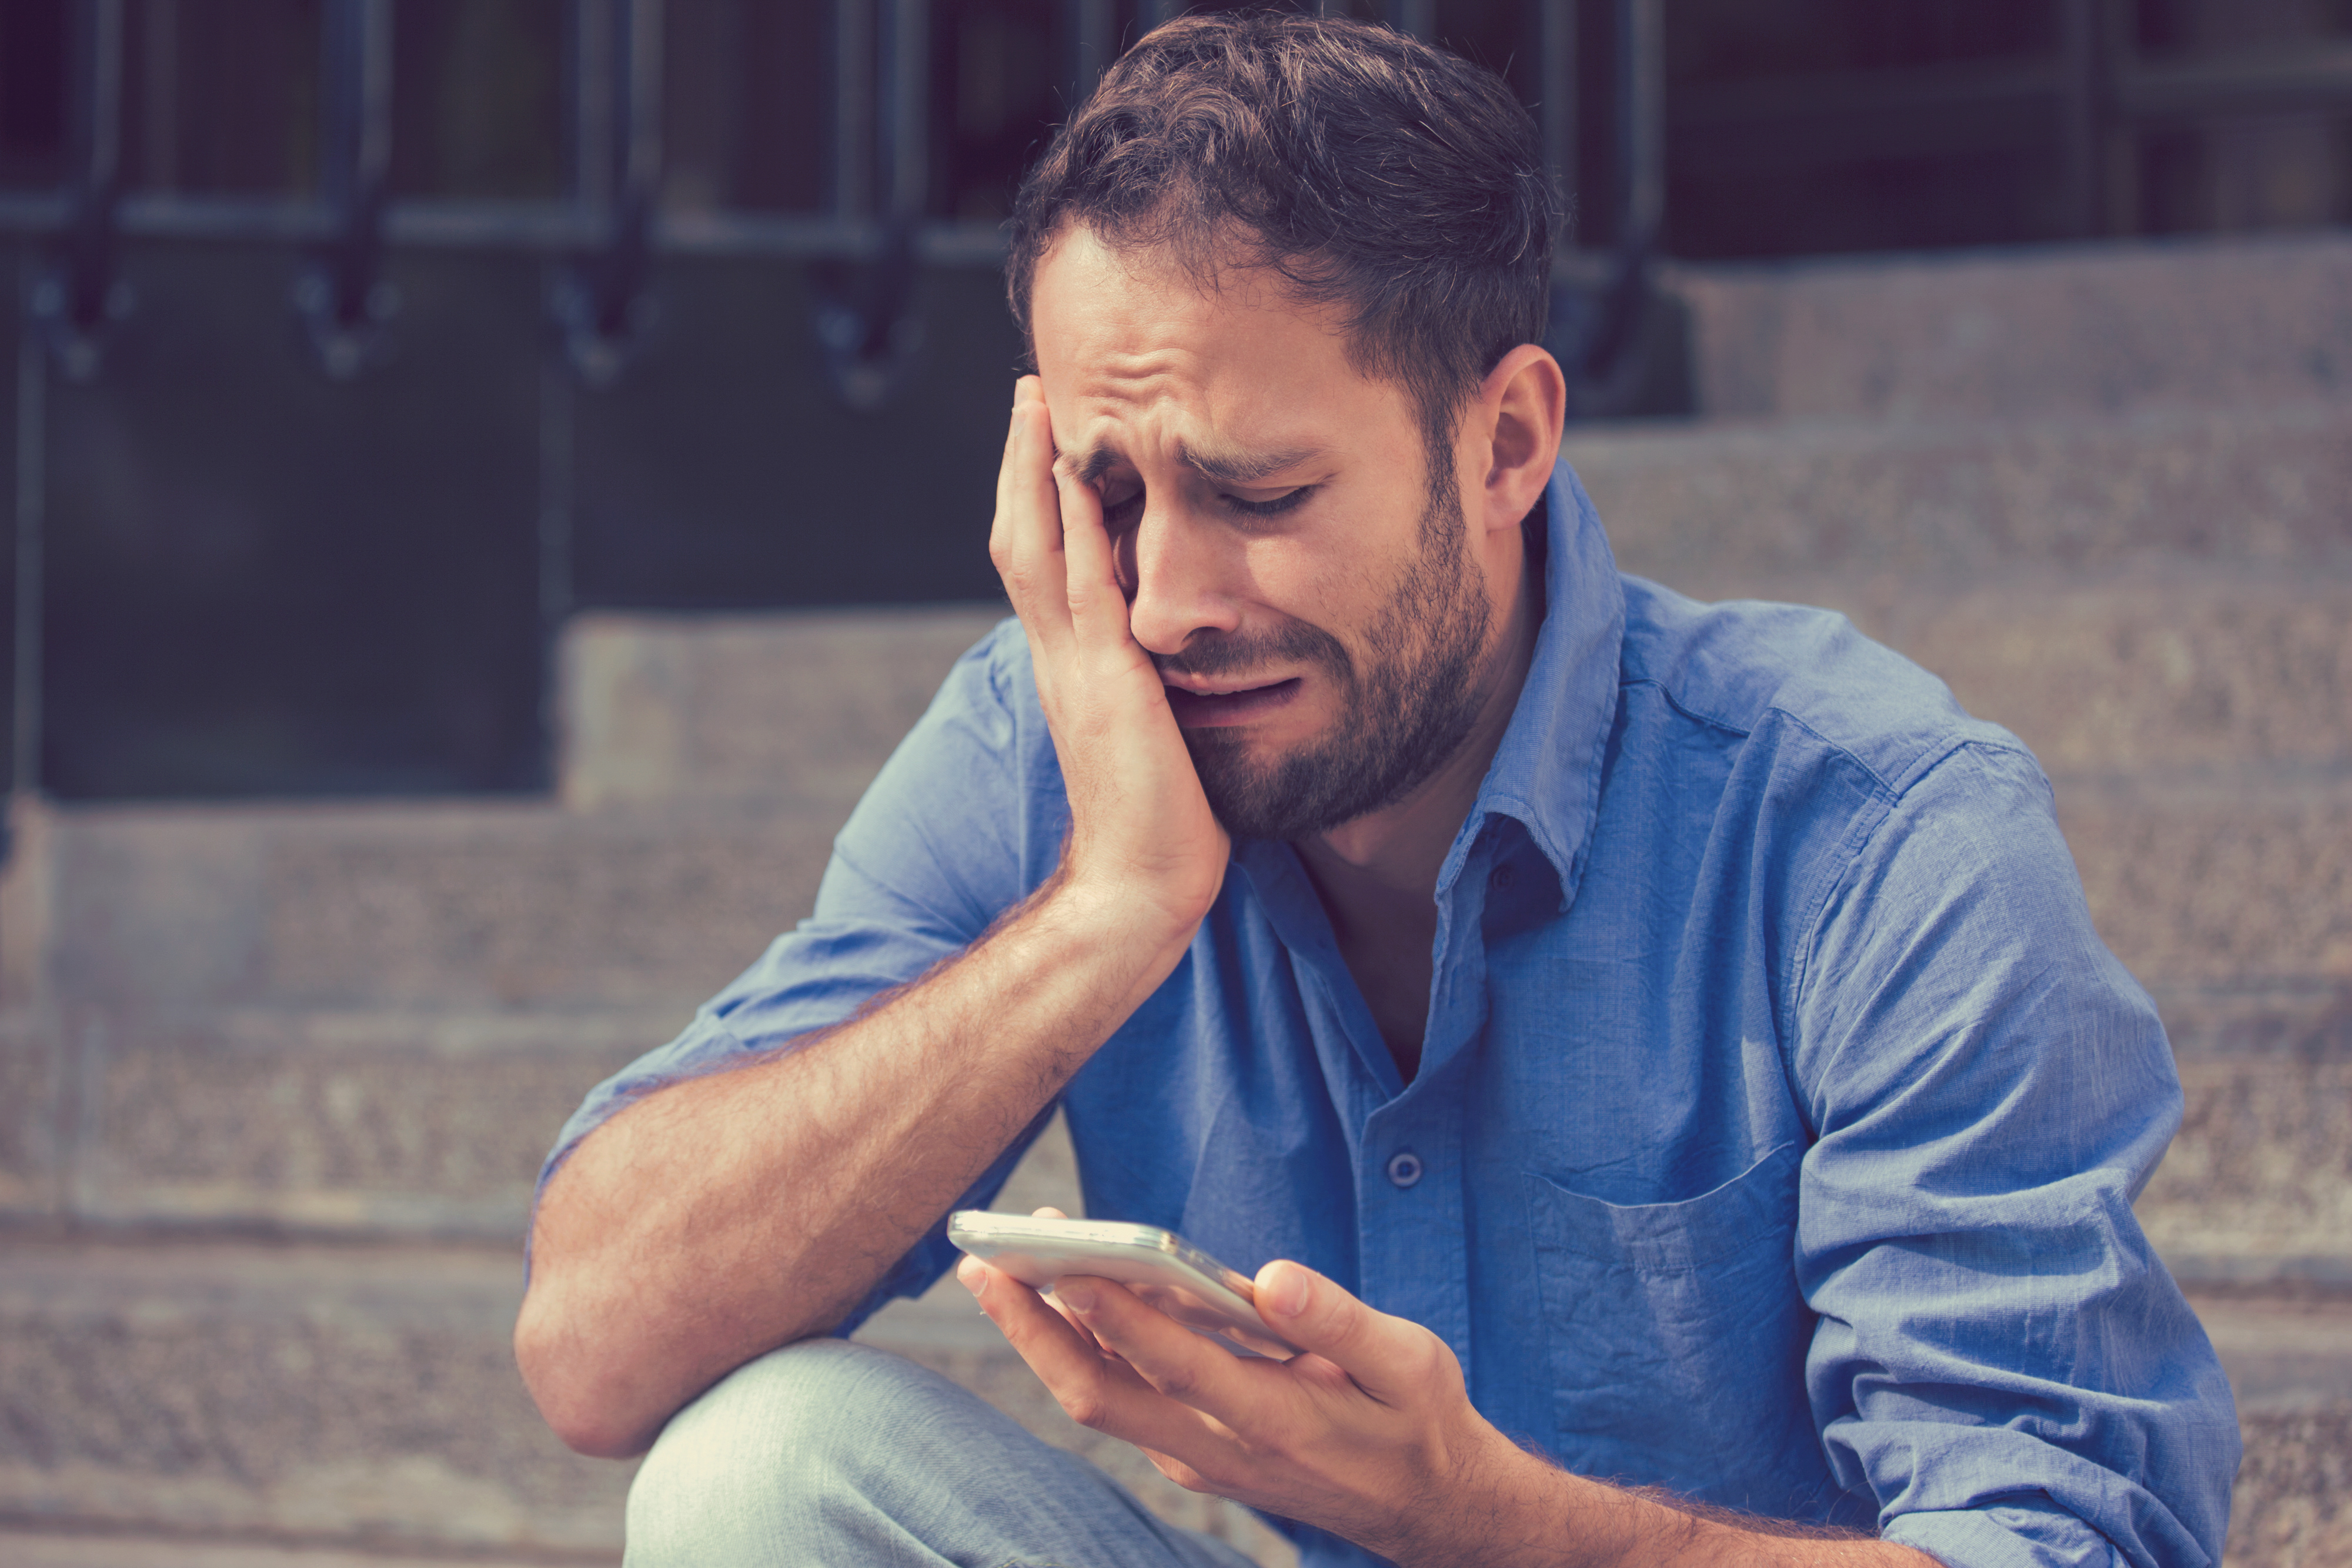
1176, 573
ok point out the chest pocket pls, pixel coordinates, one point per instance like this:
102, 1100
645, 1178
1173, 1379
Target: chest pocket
1677, 1339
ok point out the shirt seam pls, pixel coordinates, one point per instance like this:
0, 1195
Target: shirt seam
1859, 839
1674, 702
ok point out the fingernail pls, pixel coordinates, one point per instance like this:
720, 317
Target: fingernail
972, 1277
1080, 1299
1287, 1297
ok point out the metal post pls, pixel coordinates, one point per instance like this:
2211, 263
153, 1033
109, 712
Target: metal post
589, 85
1556, 80
81, 294
159, 91
1417, 18
2083, 115
853, 109
31, 499
905, 94
1155, 12
600, 301
868, 328
1090, 23
342, 297
1642, 122
555, 492
641, 166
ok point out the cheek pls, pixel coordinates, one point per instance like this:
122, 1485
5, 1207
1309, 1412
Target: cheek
1338, 583
1304, 581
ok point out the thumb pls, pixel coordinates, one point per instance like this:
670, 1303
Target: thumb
1382, 1353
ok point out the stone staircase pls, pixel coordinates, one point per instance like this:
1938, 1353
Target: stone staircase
275, 1077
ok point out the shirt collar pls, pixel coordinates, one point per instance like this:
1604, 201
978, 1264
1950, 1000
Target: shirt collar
1547, 773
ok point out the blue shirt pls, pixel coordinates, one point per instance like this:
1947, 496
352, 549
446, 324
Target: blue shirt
1778, 1116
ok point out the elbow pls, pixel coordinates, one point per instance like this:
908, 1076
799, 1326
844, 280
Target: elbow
576, 1381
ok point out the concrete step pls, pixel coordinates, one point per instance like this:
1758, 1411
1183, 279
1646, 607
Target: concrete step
389, 1125
2197, 670
798, 705
1995, 335
157, 911
2211, 666
421, 1103
1759, 510
111, 1548
2256, 1189
363, 1398
360, 1124
2290, 1364
310, 1393
296, 1406
432, 906
2217, 880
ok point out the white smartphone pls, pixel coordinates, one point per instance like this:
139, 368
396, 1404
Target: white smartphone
1159, 1266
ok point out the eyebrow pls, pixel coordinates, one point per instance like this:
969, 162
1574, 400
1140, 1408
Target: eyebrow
1226, 467
1236, 468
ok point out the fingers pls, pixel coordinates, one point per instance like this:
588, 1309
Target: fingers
1104, 1392
1185, 1366
1390, 1359
1025, 541
1097, 602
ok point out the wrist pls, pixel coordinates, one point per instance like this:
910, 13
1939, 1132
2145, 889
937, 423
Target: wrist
1505, 1507
1133, 940
1141, 907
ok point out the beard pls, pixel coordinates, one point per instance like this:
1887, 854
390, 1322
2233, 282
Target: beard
1403, 713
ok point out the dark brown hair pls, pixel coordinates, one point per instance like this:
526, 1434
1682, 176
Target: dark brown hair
1369, 169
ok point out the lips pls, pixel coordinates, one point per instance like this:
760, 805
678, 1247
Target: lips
1237, 705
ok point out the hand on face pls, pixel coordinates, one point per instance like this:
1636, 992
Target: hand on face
1140, 828
1368, 1433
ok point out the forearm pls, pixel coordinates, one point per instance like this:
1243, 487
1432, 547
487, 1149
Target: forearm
725, 1216
1532, 1514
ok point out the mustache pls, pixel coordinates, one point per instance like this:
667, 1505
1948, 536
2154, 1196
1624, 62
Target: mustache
1229, 653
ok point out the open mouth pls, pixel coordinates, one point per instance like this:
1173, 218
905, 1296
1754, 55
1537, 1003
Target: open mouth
1237, 705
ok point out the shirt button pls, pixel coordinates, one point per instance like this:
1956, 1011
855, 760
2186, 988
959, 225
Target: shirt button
1502, 876
1405, 1167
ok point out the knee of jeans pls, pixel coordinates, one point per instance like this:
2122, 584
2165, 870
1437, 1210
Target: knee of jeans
773, 1435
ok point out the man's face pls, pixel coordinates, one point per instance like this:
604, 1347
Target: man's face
1298, 569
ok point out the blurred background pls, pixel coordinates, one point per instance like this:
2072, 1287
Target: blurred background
488, 480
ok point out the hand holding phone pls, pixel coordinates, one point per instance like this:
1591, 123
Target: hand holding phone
1161, 1268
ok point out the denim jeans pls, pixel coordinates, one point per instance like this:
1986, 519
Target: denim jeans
829, 1453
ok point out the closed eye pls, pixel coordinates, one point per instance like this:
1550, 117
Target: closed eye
1127, 510
1273, 508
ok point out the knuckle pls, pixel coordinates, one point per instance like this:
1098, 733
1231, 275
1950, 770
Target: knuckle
1087, 1407
1429, 1360
1178, 1383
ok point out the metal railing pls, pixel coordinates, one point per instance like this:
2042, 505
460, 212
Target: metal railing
605, 234
609, 226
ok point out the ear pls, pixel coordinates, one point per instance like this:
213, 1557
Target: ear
1518, 415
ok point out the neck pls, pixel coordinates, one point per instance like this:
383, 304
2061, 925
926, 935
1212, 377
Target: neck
1395, 853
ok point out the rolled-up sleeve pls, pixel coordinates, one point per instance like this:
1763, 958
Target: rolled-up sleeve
940, 844
2000, 1359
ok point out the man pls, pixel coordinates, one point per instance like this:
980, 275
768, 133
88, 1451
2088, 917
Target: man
1658, 1052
